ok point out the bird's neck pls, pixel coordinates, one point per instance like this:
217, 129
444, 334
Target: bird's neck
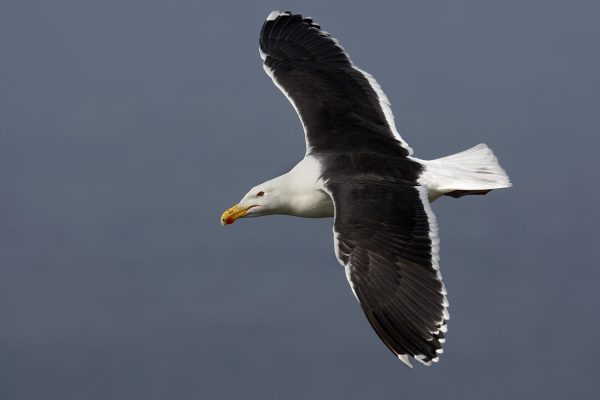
303, 188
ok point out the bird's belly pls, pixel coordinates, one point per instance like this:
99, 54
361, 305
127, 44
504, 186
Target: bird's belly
317, 204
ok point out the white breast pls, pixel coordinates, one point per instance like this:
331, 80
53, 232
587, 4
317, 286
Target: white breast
307, 198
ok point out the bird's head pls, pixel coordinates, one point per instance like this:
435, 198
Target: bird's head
263, 199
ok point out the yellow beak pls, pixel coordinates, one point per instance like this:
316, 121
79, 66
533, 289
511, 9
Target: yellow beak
234, 213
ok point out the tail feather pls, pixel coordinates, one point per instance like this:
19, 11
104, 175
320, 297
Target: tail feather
473, 171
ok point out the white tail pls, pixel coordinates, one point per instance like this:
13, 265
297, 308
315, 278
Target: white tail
473, 171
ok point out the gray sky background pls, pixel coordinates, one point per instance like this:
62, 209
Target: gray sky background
127, 127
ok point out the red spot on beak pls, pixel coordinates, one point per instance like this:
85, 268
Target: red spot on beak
229, 221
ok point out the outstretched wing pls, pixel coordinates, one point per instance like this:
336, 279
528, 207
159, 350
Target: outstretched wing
386, 237
340, 106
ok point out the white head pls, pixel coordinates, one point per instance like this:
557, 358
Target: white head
264, 199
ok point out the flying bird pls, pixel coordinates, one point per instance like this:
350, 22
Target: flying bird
358, 170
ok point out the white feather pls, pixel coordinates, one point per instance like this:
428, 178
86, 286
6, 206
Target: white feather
404, 358
474, 169
273, 15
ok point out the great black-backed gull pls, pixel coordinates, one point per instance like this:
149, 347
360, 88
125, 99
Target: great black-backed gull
359, 170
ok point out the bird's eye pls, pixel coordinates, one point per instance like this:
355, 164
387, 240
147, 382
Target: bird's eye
260, 194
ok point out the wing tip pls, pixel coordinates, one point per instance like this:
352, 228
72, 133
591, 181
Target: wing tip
404, 358
420, 358
273, 15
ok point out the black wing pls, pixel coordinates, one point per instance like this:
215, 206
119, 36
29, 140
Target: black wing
386, 237
340, 106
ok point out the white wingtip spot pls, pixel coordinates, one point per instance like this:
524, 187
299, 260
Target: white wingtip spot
421, 358
405, 360
274, 14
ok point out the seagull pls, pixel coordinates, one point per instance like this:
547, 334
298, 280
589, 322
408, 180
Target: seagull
358, 170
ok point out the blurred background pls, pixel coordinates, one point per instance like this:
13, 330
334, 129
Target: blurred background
127, 127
